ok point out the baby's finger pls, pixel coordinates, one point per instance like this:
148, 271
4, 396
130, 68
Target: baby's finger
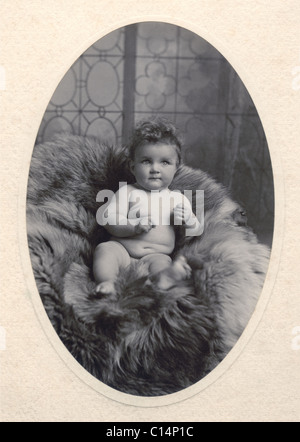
178, 213
151, 223
178, 220
178, 209
145, 229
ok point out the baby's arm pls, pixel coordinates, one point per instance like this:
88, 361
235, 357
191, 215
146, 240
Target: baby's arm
115, 219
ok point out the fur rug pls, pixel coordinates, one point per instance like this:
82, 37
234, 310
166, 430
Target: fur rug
140, 341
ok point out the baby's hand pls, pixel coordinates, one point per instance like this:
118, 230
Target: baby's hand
182, 214
144, 226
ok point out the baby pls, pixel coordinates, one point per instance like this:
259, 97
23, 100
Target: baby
141, 216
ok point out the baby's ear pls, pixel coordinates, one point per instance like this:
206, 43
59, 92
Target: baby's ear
131, 165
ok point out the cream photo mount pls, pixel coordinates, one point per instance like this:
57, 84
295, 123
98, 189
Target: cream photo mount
266, 292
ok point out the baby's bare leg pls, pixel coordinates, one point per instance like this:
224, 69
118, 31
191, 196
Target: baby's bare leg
109, 257
165, 273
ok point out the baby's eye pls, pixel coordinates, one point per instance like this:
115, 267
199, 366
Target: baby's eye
165, 163
146, 162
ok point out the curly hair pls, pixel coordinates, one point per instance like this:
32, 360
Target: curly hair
156, 130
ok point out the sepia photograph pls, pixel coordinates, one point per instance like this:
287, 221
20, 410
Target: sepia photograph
150, 209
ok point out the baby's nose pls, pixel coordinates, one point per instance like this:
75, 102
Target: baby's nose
154, 167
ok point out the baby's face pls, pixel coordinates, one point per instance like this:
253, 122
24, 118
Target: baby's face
154, 165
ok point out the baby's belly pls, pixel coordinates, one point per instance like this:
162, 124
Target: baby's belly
160, 239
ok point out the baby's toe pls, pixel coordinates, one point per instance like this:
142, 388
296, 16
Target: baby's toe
188, 272
185, 267
98, 288
105, 288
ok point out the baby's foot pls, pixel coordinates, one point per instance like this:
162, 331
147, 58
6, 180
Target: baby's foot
179, 270
105, 288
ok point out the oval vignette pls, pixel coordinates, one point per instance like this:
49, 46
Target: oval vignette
139, 342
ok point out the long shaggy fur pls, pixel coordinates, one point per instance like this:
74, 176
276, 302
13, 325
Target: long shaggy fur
140, 341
